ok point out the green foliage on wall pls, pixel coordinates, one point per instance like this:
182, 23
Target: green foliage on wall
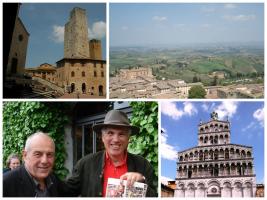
21, 119
145, 116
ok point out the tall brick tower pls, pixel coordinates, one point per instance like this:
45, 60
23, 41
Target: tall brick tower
95, 49
76, 35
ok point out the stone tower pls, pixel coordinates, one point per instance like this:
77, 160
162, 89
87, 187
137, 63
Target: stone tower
76, 35
216, 167
95, 49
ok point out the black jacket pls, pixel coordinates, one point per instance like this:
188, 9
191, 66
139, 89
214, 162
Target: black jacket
18, 183
87, 176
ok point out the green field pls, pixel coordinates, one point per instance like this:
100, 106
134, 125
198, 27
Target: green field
199, 63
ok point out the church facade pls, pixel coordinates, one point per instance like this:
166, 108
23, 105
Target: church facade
216, 167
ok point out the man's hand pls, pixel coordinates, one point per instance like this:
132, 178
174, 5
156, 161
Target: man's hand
132, 177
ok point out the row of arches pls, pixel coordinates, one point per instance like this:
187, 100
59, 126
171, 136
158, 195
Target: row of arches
217, 127
215, 189
214, 139
215, 170
83, 74
212, 153
71, 89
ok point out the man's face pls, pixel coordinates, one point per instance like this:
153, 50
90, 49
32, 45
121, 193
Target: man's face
116, 141
39, 159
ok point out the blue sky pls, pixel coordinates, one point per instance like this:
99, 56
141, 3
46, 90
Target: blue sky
178, 23
45, 23
180, 122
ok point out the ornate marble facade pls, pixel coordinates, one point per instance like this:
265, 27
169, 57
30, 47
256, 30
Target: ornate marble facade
215, 168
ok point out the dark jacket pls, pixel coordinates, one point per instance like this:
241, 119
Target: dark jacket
18, 183
87, 176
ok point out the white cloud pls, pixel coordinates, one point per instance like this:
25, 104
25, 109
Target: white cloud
259, 115
229, 6
163, 130
226, 109
159, 19
58, 34
98, 30
164, 180
124, 28
167, 151
170, 109
189, 109
251, 125
239, 17
205, 107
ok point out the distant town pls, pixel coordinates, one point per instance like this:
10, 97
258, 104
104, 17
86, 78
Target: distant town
221, 71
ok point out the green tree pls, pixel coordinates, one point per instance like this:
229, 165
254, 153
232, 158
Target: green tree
145, 116
197, 92
21, 119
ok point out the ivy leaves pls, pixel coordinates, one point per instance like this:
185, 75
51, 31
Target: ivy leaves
145, 116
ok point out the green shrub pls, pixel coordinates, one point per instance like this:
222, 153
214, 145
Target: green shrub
145, 116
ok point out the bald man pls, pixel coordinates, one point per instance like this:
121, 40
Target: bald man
35, 177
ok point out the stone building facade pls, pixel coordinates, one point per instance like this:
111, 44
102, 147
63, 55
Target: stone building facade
44, 71
134, 73
18, 49
86, 76
216, 167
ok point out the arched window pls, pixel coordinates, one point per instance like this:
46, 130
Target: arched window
100, 90
181, 158
72, 74
72, 87
83, 74
84, 88
95, 74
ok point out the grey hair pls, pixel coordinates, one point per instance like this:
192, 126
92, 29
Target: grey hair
10, 157
30, 138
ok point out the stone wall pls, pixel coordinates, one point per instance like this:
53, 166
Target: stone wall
95, 49
76, 35
84, 76
18, 49
225, 187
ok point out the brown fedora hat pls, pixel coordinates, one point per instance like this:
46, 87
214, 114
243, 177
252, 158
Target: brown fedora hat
116, 118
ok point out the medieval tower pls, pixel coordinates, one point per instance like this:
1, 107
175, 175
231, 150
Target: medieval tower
82, 70
76, 35
216, 167
95, 49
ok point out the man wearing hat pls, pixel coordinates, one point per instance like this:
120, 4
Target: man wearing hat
91, 173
